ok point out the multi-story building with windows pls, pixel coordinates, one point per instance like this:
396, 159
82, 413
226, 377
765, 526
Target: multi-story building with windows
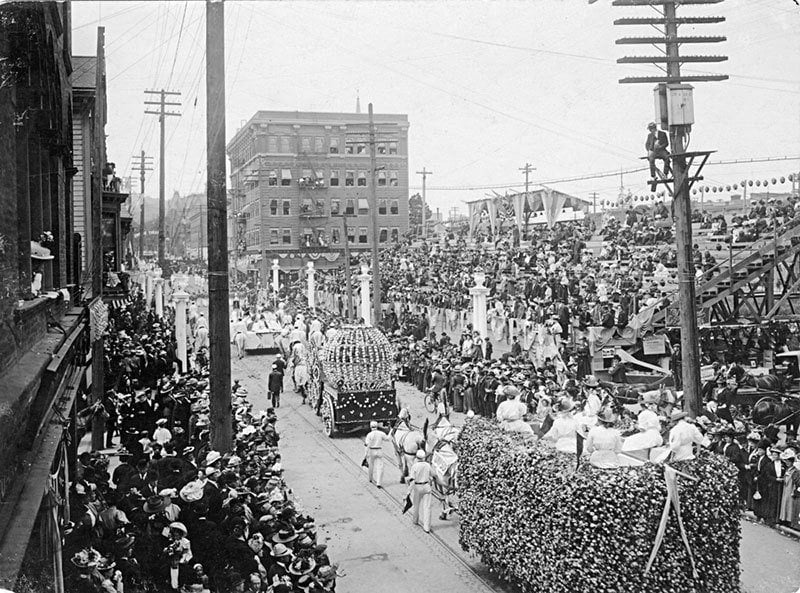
300, 185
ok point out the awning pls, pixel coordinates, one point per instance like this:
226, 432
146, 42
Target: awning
286, 173
363, 204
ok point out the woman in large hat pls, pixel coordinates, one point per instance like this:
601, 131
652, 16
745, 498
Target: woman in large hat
564, 427
604, 442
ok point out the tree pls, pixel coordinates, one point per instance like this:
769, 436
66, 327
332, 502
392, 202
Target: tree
415, 213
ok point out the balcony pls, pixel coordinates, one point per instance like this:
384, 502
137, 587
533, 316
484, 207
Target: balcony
310, 183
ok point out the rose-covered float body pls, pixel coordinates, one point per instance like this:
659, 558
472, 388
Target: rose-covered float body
352, 373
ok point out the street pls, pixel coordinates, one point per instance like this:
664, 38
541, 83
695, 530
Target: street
378, 548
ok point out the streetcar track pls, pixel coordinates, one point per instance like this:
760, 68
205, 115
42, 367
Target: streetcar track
398, 502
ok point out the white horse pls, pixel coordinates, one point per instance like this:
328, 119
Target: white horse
407, 440
444, 462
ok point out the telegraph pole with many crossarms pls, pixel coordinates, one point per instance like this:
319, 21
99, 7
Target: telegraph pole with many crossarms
424, 174
144, 164
675, 112
162, 114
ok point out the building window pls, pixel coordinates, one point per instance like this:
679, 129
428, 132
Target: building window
319, 178
335, 205
392, 147
383, 236
272, 144
305, 144
319, 144
349, 178
381, 178
306, 179
381, 206
335, 236
363, 206
319, 207
286, 144
350, 149
381, 148
351, 234
350, 208
287, 207
395, 235
273, 207
361, 148
273, 236
286, 176
308, 237
362, 178
394, 207
272, 176
334, 178
362, 234
287, 236
305, 206
334, 145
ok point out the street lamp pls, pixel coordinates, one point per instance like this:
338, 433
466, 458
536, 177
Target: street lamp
241, 224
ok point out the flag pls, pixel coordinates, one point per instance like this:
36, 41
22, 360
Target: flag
552, 202
364, 462
407, 505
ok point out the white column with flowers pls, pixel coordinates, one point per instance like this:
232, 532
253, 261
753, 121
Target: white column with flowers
159, 297
310, 288
364, 278
479, 293
181, 298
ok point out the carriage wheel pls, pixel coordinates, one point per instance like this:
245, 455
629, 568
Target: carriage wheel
328, 422
767, 400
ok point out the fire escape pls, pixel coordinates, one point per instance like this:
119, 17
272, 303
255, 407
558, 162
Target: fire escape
313, 214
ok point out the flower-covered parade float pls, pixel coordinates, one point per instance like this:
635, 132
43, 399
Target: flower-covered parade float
546, 525
353, 376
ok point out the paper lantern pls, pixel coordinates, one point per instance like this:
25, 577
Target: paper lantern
652, 197
694, 191
750, 183
758, 183
766, 182
774, 181
735, 186
791, 176
783, 179
713, 190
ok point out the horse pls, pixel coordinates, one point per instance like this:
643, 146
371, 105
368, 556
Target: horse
771, 410
630, 393
766, 382
444, 462
407, 440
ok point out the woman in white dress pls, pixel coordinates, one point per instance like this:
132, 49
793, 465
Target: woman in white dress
564, 427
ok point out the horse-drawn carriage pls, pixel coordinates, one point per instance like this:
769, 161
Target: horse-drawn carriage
352, 374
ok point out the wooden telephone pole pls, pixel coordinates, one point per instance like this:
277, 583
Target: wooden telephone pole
219, 330
162, 115
675, 112
424, 174
144, 164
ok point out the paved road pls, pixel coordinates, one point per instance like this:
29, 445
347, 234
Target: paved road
379, 549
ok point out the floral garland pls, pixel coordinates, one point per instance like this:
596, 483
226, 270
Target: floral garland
358, 358
542, 525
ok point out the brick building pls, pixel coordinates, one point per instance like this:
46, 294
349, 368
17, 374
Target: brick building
44, 318
295, 174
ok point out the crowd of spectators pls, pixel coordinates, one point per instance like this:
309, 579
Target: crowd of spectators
167, 512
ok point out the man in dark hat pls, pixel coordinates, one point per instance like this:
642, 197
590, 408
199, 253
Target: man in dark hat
656, 145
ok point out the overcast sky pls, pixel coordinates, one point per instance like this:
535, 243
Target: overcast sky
487, 86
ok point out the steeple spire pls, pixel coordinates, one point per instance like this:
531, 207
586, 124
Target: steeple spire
358, 102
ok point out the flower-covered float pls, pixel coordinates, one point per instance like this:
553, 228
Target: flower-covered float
548, 527
353, 375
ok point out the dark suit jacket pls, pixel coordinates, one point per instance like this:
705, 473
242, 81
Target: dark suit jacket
656, 141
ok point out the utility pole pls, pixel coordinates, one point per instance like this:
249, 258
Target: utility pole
99, 159
348, 280
527, 169
675, 112
145, 164
219, 330
594, 202
424, 174
373, 207
162, 115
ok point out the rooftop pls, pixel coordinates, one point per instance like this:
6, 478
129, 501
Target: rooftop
84, 72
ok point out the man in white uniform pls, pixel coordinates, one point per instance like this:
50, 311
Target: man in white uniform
420, 491
374, 444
